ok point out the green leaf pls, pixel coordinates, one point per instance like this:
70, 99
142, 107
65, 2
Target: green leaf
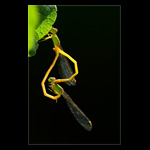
47, 15
33, 21
32, 51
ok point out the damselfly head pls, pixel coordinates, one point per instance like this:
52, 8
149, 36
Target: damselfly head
51, 79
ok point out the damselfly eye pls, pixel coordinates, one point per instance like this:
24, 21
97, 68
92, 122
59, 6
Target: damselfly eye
51, 79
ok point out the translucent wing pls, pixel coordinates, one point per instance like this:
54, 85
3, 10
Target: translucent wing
78, 114
65, 69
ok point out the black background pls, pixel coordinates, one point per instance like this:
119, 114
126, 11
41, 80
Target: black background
91, 35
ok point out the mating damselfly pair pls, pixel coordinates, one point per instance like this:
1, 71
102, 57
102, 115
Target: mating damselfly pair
68, 77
